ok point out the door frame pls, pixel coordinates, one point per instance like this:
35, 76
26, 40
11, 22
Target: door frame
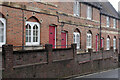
55, 36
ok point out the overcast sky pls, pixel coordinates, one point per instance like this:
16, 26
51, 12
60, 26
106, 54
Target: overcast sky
114, 3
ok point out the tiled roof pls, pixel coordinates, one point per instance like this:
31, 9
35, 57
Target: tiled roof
106, 8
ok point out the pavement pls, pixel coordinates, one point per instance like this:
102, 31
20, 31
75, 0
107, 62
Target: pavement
105, 75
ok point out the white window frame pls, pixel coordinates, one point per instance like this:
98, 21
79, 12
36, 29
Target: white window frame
102, 42
76, 8
108, 44
3, 20
32, 25
89, 40
114, 23
107, 21
114, 43
89, 12
76, 39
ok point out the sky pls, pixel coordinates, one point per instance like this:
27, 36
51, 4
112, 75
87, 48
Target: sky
114, 3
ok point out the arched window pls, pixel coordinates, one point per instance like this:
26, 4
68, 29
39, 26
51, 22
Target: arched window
2, 31
108, 43
89, 40
114, 43
102, 42
32, 33
76, 38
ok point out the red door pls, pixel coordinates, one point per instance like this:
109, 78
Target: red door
96, 42
102, 44
63, 40
52, 35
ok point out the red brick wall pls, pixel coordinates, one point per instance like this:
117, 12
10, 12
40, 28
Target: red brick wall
109, 33
54, 63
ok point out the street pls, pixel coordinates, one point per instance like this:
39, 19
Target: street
105, 75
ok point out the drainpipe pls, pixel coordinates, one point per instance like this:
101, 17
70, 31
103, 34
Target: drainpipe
100, 29
23, 31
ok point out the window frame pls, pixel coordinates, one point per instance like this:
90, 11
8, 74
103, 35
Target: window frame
102, 42
114, 43
3, 20
108, 21
89, 40
75, 39
89, 12
76, 8
108, 45
32, 24
114, 23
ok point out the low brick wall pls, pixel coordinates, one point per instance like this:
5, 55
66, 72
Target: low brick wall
54, 63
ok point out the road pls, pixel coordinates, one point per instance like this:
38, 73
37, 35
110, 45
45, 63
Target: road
105, 75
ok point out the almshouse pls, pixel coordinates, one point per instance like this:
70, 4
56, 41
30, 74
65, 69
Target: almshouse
88, 24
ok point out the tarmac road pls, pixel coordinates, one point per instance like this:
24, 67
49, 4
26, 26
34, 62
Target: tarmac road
105, 75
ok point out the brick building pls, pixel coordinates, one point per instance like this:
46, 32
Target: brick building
59, 23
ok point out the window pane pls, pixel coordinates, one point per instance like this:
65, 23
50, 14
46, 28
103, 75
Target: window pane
1, 32
29, 39
29, 32
27, 26
114, 23
36, 27
26, 32
1, 25
74, 38
26, 39
36, 33
89, 12
77, 8
34, 39
33, 32
107, 21
108, 43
